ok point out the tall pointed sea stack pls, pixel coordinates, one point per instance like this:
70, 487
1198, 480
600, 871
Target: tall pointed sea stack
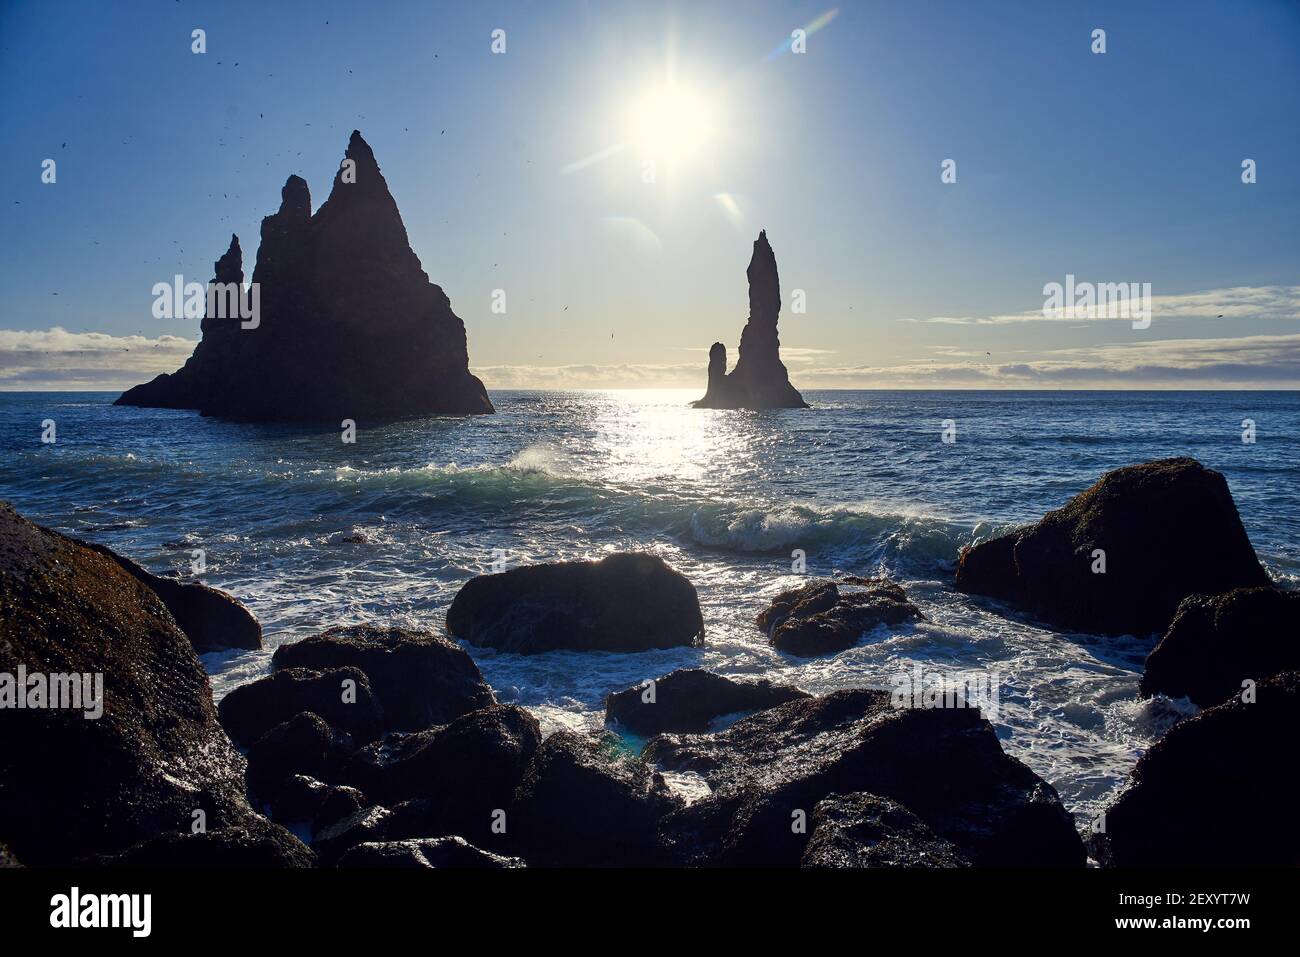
760, 380
348, 324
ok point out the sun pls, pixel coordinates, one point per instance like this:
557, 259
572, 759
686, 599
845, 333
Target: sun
671, 123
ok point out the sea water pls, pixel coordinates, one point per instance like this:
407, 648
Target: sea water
311, 532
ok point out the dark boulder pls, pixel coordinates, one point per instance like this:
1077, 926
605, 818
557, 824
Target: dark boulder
863, 830
7, 858
1217, 642
419, 677
340, 802
1168, 529
233, 848
211, 619
624, 602
760, 379
303, 745
1219, 790
362, 826
72, 786
464, 772
822, 618
342, 696
690, 699
769, 771
296, 799
423, 854
347, 323
582, 803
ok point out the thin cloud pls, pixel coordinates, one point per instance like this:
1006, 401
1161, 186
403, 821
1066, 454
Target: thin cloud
1236, 302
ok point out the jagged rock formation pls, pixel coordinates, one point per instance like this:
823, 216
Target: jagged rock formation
760, 380
348, 324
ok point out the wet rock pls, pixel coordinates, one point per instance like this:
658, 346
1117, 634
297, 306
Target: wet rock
690, 699
73, 787
1215, 643
463, 772
342, 696
821, 618
760, 379
362, 826
624, 602
419, 677
235, 848
340, 802
1168, 529
945, 765
348, 324
1220, 789
303, 745
211, 619
428, 853
583, 804
863, 830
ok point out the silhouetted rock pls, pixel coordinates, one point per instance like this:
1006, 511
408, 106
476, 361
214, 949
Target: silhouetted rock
1215, 643
253, 709
463, 772
690, 699
863, 830
760, 379
820, 619
584, 804
211, 619
624, 602
233, 848
427, 853
945, 765
74, 787
1168, 529
419, 677
340, 802
7, 858
348, 325
1220, 789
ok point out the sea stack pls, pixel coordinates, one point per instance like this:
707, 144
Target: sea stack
760, 380
347, 323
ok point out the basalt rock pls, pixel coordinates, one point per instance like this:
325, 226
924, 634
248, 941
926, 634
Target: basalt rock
624, 602
944, 765
584, 804
420, 678
690, 699
342, 696
1220, 789
233, 848
211, 619
463, 772
760, 379
1217, 642
347, 323
303, 745
863, 830
73, 787
425, 854
1168, 529
820, 619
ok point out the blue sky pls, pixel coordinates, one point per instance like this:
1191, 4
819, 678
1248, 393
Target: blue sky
1115, 167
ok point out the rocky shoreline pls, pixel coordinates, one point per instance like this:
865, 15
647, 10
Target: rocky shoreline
372, 746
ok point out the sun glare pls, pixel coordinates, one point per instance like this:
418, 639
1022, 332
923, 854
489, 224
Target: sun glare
671, 123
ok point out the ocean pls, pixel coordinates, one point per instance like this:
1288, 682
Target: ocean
311, 532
